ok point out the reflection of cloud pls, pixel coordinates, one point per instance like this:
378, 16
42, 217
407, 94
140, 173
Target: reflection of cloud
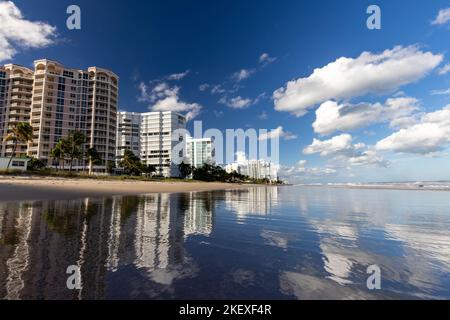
276, 239
336, 240
243, 277
338, 265
434, 243
427, 255
305, 286
167, 276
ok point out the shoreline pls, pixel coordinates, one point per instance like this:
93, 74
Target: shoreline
42, 188
379, 187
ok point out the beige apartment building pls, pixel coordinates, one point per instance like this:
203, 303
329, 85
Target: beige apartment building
65, 100
16, 85
56, 100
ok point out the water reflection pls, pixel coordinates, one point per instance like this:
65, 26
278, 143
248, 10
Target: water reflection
280, 243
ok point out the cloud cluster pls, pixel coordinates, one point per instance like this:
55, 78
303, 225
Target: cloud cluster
430, 135
341, 144
444, 70
300, 170
441, 92
277, 134
352, 77
443, 17
166, 98
240, 102
332, 117
16, 31
178, 76
242, 74
266, 59
344, 152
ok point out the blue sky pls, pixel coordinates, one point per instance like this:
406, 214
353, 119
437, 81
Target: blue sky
246, 50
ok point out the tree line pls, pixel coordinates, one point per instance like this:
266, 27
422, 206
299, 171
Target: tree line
67, 149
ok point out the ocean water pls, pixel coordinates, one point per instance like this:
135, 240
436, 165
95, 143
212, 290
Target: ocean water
256, 243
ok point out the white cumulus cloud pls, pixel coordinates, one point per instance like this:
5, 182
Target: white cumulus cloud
165, 98
352, 77
16, 31
336, 145
345, 152
430, 135
332, 117
443, 17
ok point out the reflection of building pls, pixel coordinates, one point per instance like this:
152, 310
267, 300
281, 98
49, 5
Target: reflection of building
198, 215
200, 151
40, 240
252, 201
256, 169
16, 84
128, 133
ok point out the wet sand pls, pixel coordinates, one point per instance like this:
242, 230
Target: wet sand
41, 188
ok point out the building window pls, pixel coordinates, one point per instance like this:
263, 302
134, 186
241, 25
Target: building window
18, 164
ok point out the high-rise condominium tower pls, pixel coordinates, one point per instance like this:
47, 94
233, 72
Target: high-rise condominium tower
128, 134
200, 151
160, 134
65, 100
16, 85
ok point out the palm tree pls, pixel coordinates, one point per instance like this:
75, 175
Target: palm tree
57, 153
185, 169
148, 169
94, 158
21, 133
131, 163
72, 146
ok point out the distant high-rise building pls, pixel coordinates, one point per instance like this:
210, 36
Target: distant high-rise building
16, 84
66, 100
128, 134
256, 169
159, 137
200, 151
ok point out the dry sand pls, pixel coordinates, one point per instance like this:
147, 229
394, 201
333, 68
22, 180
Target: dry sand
38, 188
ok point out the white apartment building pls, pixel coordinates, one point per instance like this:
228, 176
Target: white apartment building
200, 151
256, 169
128, 134
159, 138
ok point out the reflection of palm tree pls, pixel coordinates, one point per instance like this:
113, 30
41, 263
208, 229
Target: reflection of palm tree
64, 223
21, 133
128, 206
